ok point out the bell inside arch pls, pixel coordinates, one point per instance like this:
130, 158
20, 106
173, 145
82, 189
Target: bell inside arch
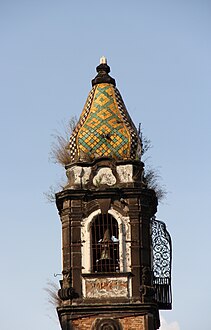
105, 254
105, 244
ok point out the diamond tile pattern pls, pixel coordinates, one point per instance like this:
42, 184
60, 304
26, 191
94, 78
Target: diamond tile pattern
105, 128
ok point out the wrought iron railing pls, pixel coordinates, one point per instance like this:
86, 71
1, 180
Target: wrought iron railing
161, 265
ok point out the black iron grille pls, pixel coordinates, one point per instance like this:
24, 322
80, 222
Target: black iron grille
162, 258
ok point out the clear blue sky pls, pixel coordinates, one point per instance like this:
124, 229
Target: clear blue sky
160, 55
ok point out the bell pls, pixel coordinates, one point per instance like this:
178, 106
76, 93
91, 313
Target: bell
104, 264
107, 236
105, 255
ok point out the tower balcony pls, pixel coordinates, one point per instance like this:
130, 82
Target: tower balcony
161, 264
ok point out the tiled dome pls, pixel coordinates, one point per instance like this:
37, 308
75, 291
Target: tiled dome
105, 128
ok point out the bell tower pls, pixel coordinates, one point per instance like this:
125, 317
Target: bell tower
116, 256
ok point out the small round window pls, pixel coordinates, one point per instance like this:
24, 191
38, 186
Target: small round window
107, 324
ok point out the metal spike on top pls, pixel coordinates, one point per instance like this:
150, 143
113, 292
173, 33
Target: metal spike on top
103, 73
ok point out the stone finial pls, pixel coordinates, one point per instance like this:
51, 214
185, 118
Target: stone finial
103, 60
103, 73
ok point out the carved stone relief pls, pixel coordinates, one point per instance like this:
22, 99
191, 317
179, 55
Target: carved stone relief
106, 287
104, 176
78, 175
125, 173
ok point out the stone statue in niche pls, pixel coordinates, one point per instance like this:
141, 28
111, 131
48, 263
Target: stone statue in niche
104, 177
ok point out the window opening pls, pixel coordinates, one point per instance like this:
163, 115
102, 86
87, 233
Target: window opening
105, 244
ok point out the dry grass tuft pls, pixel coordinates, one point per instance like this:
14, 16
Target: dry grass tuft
60, 151
52, 291
152, 180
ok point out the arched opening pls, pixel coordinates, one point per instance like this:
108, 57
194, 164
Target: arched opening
105, 244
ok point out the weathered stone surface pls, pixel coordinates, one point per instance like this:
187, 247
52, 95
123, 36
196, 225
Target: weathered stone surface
78, 175
104, 176
125, 173
106, 287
